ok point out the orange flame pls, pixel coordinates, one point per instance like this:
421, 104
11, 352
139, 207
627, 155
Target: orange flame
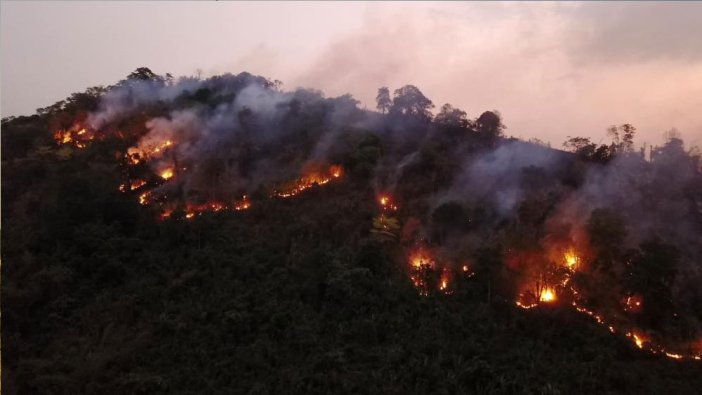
572, 260
547, 295
310, 180
167, 174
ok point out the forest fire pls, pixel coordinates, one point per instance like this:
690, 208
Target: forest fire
144, 198
445, 281
308, 181
243, 204
421, 263
193, 210
572, 260
76, 136
547, 295
167, 174
136, 154
420, 258
136, 184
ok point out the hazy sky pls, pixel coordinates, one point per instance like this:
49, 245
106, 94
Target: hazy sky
551, 69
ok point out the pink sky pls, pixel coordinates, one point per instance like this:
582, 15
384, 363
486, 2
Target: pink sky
551, 69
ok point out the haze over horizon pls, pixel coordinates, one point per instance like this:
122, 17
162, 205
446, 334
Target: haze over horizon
552, 69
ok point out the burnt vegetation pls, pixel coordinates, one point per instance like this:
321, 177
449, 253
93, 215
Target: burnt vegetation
224, 235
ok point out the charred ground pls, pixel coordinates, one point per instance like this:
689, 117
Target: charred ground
317, 292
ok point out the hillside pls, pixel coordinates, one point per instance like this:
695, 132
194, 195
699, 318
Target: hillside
227, 236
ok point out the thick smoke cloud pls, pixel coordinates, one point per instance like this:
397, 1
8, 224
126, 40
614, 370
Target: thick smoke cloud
552, 69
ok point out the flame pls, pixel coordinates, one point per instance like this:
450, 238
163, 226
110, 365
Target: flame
572, 260
445, 281
144, 198
637, 338
242, 204
77, 136
336, 171
310, 180
136, 184
196, 209
166, 213
167, 174
145, 151
420, 258
547, 295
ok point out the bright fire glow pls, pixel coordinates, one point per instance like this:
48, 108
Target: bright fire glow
571, 260
144, 198
136, 184
77, 136
167, 174
547, 295
638, 340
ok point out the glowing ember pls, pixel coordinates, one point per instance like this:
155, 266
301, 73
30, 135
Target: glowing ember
167, 174
633, 303
166, 213
336, 171
638, 340
547, 295
386, 203
144, 198
242, 204
525, 306
443, 285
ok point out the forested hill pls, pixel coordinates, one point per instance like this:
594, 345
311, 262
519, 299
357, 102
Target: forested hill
224, 235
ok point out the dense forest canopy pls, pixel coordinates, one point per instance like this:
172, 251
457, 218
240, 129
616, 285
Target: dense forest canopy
198, 235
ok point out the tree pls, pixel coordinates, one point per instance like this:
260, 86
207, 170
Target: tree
578, 144
622, 137
383, 99
607, 233
452, 117
409, 100
489, 124
142, 73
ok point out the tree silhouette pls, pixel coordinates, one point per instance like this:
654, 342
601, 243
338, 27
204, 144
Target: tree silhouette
409, 100
383, 100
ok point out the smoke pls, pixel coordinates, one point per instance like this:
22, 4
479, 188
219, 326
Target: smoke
498, 176
131, 96
229, 135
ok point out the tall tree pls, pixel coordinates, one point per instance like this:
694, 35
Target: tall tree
383, 99
452, 117
489, 124
409, 100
